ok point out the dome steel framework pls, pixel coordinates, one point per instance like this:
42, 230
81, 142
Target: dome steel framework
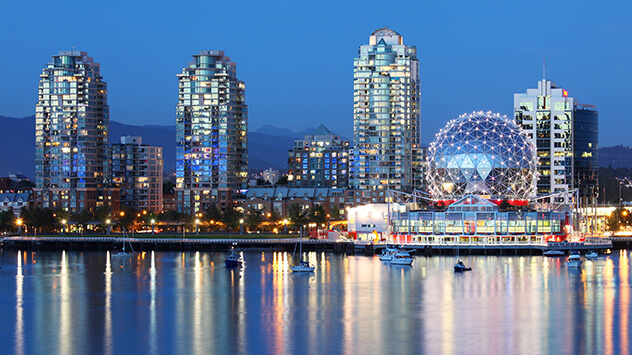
482, 154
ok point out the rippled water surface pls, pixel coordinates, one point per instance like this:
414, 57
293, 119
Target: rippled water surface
189, 303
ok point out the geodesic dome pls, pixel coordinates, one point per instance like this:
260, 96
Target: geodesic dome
482, 154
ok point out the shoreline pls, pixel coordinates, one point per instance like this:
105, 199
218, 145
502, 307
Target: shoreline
103, 243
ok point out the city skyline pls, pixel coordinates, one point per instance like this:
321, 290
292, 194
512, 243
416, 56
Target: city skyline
471, 58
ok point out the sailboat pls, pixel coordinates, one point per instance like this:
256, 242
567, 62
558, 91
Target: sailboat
303, 266
459, 266
124, 254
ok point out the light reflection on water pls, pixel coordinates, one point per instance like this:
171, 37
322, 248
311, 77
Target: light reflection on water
77, 303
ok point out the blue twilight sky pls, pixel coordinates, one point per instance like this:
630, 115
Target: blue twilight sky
296, 57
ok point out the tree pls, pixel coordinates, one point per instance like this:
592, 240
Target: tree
253, 218
619, 218
231, 218
40, 219
213, 213
82, 218
282, 181
7, 220
297, 215
335, 213
274, 216
317, 214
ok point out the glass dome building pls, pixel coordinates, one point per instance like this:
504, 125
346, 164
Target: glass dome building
482, 154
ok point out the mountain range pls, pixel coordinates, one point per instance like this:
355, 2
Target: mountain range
267, 146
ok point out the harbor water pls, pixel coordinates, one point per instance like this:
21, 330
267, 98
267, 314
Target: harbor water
189, 303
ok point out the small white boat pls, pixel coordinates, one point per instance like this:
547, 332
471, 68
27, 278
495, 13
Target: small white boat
401, 257
303, 266
387, 254
574, 260
123, 254
592, 255
553, 253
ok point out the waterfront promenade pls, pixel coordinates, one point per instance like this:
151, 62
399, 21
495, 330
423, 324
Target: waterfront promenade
249, 243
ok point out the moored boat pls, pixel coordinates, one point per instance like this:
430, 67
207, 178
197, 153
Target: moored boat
233, 259
302, 266
553, 253
401, 257
591, 255
459, 267
574, 260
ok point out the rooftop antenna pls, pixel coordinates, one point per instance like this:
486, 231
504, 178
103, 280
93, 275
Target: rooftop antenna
543, 68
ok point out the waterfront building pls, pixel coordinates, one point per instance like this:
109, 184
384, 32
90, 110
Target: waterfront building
386, 113
72, 122
483, 154
137, 169
482, 173
268, 199
566, 136
211, 133
321, 159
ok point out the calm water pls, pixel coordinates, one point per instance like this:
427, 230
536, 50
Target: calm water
188, 303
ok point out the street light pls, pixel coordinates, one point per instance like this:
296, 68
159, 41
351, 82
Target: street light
108, 226
241, 226
63, 226
197, 226
152, 225
285, 226
19, 223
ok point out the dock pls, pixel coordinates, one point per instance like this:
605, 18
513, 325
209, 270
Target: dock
53, 243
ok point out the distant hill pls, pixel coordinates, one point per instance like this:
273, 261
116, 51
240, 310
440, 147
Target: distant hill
17, 144
618, 156
268, 146
283, 132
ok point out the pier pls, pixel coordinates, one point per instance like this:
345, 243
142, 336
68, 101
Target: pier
288, 244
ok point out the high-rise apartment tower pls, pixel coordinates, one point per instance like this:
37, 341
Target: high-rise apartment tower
386, 113
211, 133
72, 122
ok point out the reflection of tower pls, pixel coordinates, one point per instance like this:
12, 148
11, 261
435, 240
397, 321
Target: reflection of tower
386, 113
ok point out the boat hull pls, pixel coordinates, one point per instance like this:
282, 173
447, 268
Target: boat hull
402, 261
300, 268
232, 263
574, 264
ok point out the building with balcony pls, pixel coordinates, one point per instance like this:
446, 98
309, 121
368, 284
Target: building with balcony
72, 123
211, 133
321, 159
386, 113
138, 170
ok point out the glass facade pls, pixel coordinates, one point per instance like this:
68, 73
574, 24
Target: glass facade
586, 149
475, 217
483, 154
72, 121
211, 132
386, 113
